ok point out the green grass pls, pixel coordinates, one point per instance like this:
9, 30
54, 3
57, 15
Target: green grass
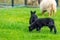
14, 24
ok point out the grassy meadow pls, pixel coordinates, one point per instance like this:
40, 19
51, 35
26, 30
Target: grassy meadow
14, 24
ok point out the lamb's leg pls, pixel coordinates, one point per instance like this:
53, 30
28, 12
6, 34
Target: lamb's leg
43, 12
54, 12
52, 27
38, 29
50, 12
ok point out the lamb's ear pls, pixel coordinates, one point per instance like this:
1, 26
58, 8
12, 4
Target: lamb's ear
31, 11
34, 11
